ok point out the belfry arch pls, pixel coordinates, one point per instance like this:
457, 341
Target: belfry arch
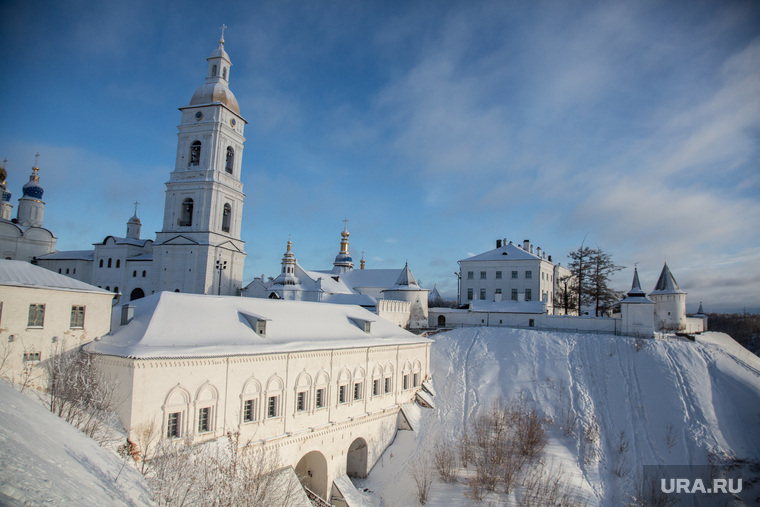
356, 459
312, 472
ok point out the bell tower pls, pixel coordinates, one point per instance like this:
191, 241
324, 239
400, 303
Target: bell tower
199, 249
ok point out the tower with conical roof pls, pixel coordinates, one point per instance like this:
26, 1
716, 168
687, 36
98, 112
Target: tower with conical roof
199, 248
31, 208
669, 303
637, 310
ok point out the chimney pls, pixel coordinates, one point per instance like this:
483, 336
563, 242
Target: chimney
526, 244
550, 258
127, 314
531, 248
498, 243
538, 251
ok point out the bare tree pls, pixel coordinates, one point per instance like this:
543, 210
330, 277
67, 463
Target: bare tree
565, 297
592, 269
422, 473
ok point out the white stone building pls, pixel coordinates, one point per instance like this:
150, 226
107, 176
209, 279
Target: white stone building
393, 294
670, 307
324, 385
509, 272
42, 311
24, 238
199, 249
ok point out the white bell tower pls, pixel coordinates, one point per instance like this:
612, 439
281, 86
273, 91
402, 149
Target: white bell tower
199, 249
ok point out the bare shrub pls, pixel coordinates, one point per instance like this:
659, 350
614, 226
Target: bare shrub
647, 493
568, 420
639, 343
549, 486
621, 451
670, 436
531, 435
590, 441
444, 460
79, 393
422, 473
465, 450
221, 473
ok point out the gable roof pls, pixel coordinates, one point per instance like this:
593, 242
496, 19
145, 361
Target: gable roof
24, 274
508, 252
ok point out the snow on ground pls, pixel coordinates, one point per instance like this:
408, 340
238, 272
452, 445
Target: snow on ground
676, 402
46, 461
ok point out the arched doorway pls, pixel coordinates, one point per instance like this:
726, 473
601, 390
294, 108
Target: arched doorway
312, 472
441, 321
136, 294
356, 462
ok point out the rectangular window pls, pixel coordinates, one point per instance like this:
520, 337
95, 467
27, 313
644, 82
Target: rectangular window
498, 275
482, 294
321, 398
498, 291
31, 356
77, 317
416, 380
301, 401
514, 294
482, 275
514, 274
204, 420
342, 394
388, 386
470, 275
36, 315
528, 295
358, 391
469, 293
272, 409
376, 387
529, 274
249, 411
406, 381
172, 425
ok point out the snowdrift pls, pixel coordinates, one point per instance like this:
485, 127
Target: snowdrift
674, 402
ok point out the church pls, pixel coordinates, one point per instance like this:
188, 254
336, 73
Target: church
393, 294
199, 249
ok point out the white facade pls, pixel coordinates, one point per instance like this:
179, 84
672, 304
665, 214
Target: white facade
40, 312
670, 306
510, 273
24, 238
373, 289
321, 384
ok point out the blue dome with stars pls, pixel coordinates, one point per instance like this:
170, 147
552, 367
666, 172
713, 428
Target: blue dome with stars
33, 189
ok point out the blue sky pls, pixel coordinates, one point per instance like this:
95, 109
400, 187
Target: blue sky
435, 127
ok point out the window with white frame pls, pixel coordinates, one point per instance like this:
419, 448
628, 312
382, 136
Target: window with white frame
36, 315
388, 384
498, 275
416, 379
470, 275
301, 399
482, 275
482, 294
358, 388
528, 295
77, 317
376, 389
469, 293
514, 294
343, 393
204, 420
321, 400
173, 429
514, 274
529, 274
249, 411
273, 407
406, 381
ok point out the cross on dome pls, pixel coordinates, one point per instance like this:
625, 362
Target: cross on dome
221, 39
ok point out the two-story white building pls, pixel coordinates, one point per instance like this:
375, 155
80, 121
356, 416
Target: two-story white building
509, 272
322, 384
42, 312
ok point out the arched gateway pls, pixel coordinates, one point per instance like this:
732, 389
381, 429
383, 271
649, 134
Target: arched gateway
356, 461
312, 472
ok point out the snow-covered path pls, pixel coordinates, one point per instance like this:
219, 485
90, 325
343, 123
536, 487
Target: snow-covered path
674, 402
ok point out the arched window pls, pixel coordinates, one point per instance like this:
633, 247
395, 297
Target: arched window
101, 263
224, 72
195, 153
118, 263
109, 262
226, 214
187, 213
213, 71
230, 159
137, 293
134, 274
143, 274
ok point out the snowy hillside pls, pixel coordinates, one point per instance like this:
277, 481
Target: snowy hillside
46, 461
673, 402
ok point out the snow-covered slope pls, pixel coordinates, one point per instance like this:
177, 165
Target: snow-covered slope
675, 402
46, 461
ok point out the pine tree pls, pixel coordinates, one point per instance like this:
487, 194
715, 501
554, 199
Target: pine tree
591, 270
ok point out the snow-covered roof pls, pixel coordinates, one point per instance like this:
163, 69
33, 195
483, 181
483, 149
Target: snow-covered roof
350, 299
382, 278
142, 257
169, 324
636, 295
510, 251
24, 274
125, 241
70, 255
666, 284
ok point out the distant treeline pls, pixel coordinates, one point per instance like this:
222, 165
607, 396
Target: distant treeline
744, 328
